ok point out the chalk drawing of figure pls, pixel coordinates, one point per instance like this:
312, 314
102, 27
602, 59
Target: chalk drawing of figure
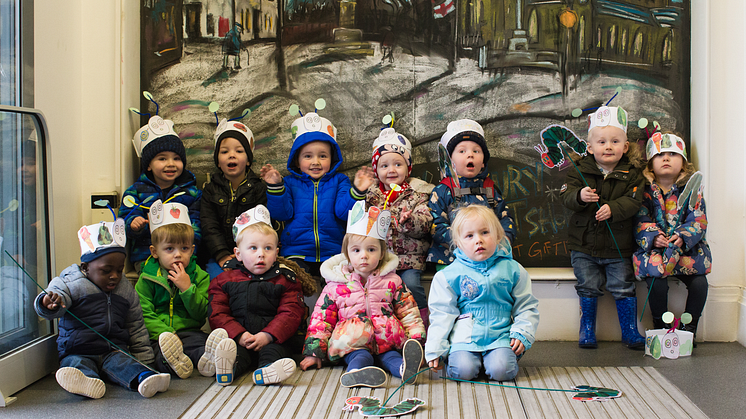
232, 46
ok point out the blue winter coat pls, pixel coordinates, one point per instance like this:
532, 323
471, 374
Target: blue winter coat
442, 207
145, 187
314, 212
116, 315
694, 258
480, 306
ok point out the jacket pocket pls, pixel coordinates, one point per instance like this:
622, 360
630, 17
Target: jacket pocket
462, 330
579, 226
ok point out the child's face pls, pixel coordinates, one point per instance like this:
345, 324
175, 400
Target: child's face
607, 145
315, 159
668, 165
166, 167
257, 251
106, 271
468, 159
477, 240
232, 158
364, 254
171, 254
392, 168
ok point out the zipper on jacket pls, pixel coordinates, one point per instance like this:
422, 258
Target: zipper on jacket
108, 315
170, 293
316, 220
171, 312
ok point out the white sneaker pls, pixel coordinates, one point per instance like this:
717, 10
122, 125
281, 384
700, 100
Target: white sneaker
74, 381
275, 372
154, 384
206, 364
173, 352
225, 357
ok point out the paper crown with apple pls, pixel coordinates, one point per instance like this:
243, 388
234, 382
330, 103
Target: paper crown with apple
161, 214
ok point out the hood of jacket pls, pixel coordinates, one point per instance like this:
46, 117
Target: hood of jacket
338, 269
310, 137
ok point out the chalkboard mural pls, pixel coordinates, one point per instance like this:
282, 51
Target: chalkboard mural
515, 66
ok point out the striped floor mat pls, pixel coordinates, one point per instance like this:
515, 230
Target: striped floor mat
317, 394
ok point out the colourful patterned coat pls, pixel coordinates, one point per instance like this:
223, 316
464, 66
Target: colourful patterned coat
378, 316
659, 213
411, 239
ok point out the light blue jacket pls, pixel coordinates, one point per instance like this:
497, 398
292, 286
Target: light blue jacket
480, 306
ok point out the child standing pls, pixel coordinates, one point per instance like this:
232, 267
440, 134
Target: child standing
95, 294
163, 176
672, 243
233, 189
464, 142
173, 291
314, 200
410, 237
482, 311
605, 193
260, 305
365, 314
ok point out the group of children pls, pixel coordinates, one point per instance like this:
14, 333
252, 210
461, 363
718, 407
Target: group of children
369, 240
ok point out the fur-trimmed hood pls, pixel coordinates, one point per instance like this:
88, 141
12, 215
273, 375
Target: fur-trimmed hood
338, 269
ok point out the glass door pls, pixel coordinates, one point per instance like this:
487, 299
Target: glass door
27, 349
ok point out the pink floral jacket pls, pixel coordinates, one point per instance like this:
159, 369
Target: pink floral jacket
378, 316
410, 240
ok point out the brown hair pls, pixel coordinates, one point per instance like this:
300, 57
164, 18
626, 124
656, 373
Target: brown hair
382, 243
687, 170
261, 228
471, 212
173, 233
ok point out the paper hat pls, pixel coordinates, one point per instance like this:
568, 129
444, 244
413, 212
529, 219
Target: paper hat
99, 239
237, 130
258, 214
373, 223
389, 141
156, 128
614, 116
313, 127
464, 130
665, 143
161, 214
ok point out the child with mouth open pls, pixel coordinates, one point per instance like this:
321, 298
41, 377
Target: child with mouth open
465, 143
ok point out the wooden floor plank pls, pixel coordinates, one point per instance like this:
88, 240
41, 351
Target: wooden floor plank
655, 388
641, 405
286, 392
562, 401
676, 394
222, 403
597, 409
529, 398
434, 397
535, 380
624, 404
580, 409
202, 402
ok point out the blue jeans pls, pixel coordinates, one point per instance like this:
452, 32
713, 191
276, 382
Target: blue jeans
391, 361
115, 366
592, 273
500, 364
411, 278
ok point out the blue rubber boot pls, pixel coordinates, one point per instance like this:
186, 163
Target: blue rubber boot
587, 337
626, 309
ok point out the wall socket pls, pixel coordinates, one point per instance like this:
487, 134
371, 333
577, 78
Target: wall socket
99, 213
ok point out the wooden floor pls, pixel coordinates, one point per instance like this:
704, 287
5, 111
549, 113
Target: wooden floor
317, 394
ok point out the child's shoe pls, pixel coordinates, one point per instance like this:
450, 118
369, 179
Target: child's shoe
225, 357
74, 381
206, 364
275, 372
364, 377
412, 359
627, 311
154, 383
173, 351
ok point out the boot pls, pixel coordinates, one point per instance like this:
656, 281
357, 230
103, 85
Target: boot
659, 324
587, 337
692, 327
626, 309
425, 314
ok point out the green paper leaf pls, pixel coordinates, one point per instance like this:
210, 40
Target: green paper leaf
386, 119
668, 317
358, 211
135, 110
642, 123
655, 347
129, 201
621, 116
686, 318
246, 112
101, 202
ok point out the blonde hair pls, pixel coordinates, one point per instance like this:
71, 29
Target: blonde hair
633, 153
261, 228
173, 233
382, 243
469, 214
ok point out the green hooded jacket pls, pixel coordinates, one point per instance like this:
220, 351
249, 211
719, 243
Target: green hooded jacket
164, 307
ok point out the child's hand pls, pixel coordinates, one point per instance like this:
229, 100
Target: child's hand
138, 223
258, 341
588, 195
405, 216
660, 240
676, 240
179, 277
604, 213
222, 261
435, 364
310, 361
52, 301
364, 178
517, 346
270, 174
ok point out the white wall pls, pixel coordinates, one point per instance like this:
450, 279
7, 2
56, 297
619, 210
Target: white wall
87, 75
